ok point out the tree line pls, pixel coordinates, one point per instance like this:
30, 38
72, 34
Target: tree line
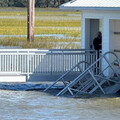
38, 3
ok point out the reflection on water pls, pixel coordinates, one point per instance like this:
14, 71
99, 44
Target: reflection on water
42, 35
36, 105
9, 47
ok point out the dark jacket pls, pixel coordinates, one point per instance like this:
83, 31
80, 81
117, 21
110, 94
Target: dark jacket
97, 43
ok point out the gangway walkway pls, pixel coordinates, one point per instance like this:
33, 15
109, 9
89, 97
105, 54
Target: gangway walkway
82, 65
92, 79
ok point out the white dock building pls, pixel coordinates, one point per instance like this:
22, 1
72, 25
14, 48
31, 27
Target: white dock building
98, 15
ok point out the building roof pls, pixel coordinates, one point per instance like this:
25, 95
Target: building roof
92, 4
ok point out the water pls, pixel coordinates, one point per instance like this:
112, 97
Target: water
37, 105
42, 35
9, 47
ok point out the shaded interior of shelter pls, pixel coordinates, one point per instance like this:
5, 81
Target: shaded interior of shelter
92, 27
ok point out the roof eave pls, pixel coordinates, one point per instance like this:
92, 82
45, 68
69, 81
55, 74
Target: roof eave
89, 8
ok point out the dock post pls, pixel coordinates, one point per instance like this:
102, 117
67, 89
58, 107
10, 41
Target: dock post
30, 20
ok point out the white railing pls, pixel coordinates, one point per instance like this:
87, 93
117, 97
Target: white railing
35, 61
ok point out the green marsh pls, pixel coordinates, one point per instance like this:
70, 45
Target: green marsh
13, 21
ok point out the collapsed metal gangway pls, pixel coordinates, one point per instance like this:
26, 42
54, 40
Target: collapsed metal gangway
93, 78
65, 80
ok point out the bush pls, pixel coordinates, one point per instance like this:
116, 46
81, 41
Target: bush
38, 3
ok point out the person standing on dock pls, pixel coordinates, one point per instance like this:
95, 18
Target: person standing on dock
97, 42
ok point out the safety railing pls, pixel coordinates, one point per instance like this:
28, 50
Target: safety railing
107, 80
35, 61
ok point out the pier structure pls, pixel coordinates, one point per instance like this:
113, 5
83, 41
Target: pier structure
40, 65
84, 76
104, 16
91, 79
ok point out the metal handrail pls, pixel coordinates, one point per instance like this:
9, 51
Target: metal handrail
88, 70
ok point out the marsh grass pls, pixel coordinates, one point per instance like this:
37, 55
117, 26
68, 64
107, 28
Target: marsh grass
13, 21
40, 42
19, 27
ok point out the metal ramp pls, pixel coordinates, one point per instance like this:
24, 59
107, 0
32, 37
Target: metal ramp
92, 79
64, 79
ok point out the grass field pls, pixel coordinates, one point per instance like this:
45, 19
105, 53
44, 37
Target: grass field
13, 21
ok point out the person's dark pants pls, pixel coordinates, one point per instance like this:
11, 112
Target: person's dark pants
98, 63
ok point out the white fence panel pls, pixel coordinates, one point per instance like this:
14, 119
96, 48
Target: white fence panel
35, 61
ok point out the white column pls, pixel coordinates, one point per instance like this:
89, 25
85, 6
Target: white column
105, 42
85, 35
105, 36
111, 37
